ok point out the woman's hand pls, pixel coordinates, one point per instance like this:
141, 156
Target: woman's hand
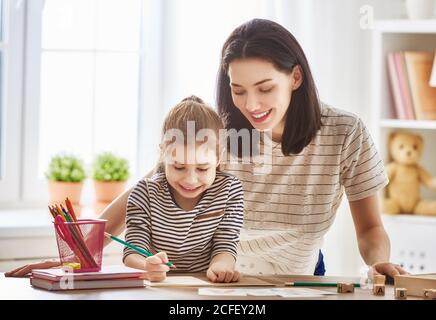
156, 267
222, 271
24, 270
385, 268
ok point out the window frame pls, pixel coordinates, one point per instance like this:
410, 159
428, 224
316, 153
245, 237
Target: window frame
34, 189
12, 46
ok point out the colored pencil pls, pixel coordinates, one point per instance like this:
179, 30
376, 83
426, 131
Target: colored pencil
131, 246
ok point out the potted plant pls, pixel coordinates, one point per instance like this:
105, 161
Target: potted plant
65, 175
110, 173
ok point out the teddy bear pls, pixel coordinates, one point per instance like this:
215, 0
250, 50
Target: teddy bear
406, 176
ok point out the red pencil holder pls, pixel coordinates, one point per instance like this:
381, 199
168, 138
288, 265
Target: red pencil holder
80, 244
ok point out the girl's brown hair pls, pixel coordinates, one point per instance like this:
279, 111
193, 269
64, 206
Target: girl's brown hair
196, 110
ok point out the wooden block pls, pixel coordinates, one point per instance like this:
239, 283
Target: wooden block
345, 287
400, 293
378, 290
429, 294
379, 279
415, 284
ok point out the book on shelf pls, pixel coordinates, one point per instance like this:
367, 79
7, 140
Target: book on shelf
404, 86
419, 66
117, 276
399, 110
409, 75
415, 284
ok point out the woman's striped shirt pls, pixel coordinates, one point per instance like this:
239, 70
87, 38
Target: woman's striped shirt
190, 238
289, 210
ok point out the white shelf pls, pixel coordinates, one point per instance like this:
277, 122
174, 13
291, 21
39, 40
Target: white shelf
411, 235
408, 124
406, 26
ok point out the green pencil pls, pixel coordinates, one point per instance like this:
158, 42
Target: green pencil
131, 246
316, 284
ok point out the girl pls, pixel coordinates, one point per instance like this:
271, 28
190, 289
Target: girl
188, 211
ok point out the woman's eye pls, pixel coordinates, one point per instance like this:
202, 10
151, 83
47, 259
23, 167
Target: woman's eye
265, 90
202, 169
178, 168
238, 93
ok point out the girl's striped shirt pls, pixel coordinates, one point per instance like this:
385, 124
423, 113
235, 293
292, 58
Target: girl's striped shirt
289, 210
190, 238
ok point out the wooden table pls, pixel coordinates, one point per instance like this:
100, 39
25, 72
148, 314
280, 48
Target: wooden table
20, 289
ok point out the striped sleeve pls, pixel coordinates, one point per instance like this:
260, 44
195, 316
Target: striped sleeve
226, 236
362, 169
138, 222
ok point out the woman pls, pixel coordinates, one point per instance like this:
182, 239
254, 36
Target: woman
265, 83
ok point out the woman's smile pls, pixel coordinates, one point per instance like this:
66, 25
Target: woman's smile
259, 117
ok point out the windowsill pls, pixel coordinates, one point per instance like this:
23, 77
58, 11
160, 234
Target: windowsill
30, 223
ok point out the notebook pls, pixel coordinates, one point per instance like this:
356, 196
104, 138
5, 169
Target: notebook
86, 284
106, 273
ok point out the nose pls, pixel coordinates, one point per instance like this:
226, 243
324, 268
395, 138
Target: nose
409, 153
252, 103
191, 178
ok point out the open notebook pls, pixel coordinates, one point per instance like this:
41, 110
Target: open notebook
189, 281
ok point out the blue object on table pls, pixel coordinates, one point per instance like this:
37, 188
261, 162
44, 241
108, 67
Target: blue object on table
320, 267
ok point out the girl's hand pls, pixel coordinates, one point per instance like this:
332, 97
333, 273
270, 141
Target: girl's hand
221, 271
156, 267
385, 268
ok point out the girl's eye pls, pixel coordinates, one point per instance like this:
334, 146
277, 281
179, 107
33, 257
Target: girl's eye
202, 169
178, 168
238, 93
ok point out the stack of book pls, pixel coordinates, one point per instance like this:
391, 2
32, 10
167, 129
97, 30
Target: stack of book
108, 277
409, 77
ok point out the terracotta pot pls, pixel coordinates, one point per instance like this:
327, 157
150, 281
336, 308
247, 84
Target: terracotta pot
59, 191
106, 192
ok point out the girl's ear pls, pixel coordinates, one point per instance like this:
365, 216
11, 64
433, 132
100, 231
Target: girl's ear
296, 77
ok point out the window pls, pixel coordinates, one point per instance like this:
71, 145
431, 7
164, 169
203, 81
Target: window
83, 74
99, 75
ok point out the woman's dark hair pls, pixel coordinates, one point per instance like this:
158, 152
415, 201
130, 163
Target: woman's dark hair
265, 39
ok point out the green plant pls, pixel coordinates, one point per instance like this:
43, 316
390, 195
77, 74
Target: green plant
66, 168
109, 167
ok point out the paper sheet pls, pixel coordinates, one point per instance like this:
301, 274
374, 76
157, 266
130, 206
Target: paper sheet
281, 292
179, 281
188, 281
